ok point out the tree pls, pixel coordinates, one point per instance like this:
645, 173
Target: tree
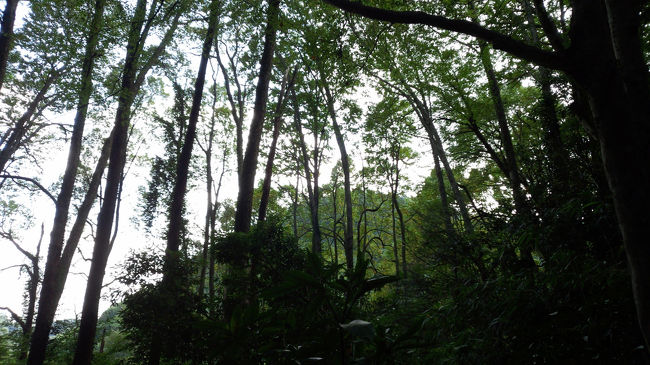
249, 164
139, 60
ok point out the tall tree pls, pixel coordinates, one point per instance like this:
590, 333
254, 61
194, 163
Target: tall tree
139, 60
277, 125
56, 267
249, 164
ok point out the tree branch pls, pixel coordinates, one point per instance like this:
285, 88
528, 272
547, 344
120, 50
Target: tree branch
499, 41
549, 28
33, 181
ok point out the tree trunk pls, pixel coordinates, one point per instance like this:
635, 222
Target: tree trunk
182, 167
400, 216
311, 192
462, 206
446, 215
348, 240
49, 299
557, 154
171, 282
521, 204
249, 165
393, 200
236, 109
6, 36
268, 171
208, 211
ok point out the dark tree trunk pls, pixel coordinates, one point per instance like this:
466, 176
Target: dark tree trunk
424, 114
49, 300
348, 239
208, 182
236, 109
268, 171
249, 165
170, 282
393, 200
312, 193
400, 216
57, 267
521, 204
558, 155
182, 167
446, 215
6, 35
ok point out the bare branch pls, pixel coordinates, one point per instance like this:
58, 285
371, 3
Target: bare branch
33, 181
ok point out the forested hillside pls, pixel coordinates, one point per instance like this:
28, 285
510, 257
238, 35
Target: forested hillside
324, 181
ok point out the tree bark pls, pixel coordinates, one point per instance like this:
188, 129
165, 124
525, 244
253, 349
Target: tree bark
313, 194
348, 240
249, 165
182, 167
49, 299
268, 171
6, 36
446, 215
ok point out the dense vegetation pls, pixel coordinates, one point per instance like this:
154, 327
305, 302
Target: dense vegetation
527, 241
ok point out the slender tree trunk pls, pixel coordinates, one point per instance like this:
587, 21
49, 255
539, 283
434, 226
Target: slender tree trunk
558, 155
521, 204
348, 243
6, 36
208, 211
236, 109
249, 166
446, 215
400, 216
424, 114
171, 283
130, 85
312, 193
335, 220
213, 220
47, 307
268, 171
504, 129
56, 267
182, 173
462, 206
294, 208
